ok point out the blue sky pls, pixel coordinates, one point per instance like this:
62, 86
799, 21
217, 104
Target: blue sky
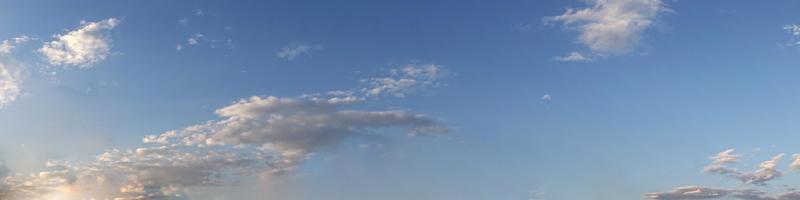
561, 100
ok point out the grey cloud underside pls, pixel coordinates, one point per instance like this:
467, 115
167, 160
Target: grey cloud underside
767, 171
699, 192
256, 136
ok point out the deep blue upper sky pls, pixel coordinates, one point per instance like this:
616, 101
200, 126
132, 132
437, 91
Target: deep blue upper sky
702, 77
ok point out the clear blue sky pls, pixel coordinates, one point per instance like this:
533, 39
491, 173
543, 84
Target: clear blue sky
639, 108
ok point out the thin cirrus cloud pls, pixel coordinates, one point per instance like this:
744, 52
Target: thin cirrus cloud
255, 136
82, 47
574, 56
609, 27
767, 171
295, 50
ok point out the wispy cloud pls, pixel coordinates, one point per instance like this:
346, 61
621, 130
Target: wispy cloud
294, 50
767, 170
573, 57
8, 45
10, 70
82, 47
403, 80
10, 80
612, 27
794, 31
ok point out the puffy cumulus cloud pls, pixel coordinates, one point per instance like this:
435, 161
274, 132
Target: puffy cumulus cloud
82, 47
612, 27
10, 80
294, 50
403, 80
256, 136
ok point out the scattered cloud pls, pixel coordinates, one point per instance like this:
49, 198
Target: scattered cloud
82, 47
689, 192
199, 12
766, 171
183, 21
403, 80
10, 80
294, 50
8, 45
10, 71
194, 39
794, 30
699, 192
574, 56
253, 137
547, 97
612, 27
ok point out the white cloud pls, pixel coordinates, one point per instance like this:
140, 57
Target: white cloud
256, 136
10, 79
612, 27
725, 157
794, 30
8, 45
547, 97
82, 47
292, 51
574, 56
195, 39
403, 80
183, 21
766, 171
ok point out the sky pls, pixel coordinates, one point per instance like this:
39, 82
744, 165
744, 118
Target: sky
391, 100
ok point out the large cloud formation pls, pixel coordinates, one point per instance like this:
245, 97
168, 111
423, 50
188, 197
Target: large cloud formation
766, 171
610, 27
255, 136
82, 47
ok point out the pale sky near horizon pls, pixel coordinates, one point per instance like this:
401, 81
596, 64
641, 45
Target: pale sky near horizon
391, 100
